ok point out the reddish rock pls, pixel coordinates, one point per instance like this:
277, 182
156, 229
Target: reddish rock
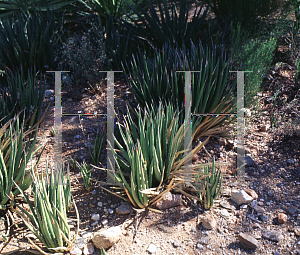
282, 218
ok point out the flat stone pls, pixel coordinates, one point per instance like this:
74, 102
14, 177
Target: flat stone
107, 238
273, 235
124, 208
209, 222
79, 242
259, 209
151, 249
49, 92
227, 205
251, 193
248, 241
204, 240
168, 201
282, 218
240, 197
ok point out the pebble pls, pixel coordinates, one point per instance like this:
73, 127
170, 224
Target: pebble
79, 242
248, 160
100, 204
151, 249
124, 208
95, 217
176, 244
199, 246
227, 205
209, 222
94, 192
111, 211
248, 241
282, 218
243, 207
107, 238
94, 223
77, 136
204, 240
225, 213
168, 201
273, 235
49, 92
104, 222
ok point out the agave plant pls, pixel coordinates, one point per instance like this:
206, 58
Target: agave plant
165, 22
96, 153
23, 94
149, 155
29, 41
86, 172
210, 185
155, 80
15, 154
47, 219
9, 7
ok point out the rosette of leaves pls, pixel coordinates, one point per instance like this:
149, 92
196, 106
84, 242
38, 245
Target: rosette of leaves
29, 41
150, 154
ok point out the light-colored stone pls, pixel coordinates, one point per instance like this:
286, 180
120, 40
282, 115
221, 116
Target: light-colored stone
151, 249
124, 208
209, 222
88, 249
79, 242
227, 205
282, 218
248, 241
240, 197
107, 238
168, 201
251, 193
76, 251
95, 217
225, 213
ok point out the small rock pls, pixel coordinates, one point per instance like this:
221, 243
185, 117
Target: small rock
104, 222
225, 213
94, 192
168, 201
263, 218
151, 249
282, 218
248, 241
124, 208
260, 203
256, 225
88, 249
297, 230
293, 210
253, 203
76, 251
107, 238
100, 204
248, 160
264, 128
199, 246
95, 217
111, 211
259, 209
273, 236
240, 197
51, 98
243, 207
204, 240
77, 136
176, 244
49, 92
209, 222
86, 235
251, 193
94, 223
